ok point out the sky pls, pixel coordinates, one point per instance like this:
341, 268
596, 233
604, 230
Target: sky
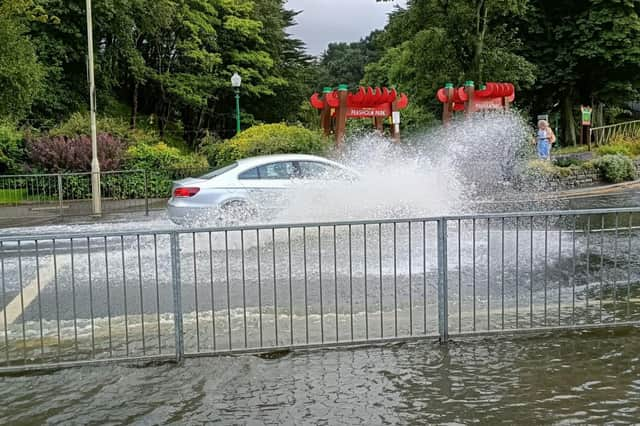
324, 21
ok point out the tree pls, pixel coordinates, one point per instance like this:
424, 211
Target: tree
587, 52
21, 74
344, 63
431, 42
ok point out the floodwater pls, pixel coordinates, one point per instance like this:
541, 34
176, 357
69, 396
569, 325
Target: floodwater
577, 377
562, 377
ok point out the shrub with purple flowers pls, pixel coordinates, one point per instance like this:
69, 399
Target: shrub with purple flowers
73, 154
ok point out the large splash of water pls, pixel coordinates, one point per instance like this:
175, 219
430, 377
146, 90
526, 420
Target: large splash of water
443, 171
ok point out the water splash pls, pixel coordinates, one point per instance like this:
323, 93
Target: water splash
443, 171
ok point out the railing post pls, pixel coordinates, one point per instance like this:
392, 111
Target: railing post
60, 195
146, 194
177, 295
443, 298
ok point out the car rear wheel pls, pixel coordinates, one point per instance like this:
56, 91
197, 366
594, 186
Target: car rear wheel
237, 212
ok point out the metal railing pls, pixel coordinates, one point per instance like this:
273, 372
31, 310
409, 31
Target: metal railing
604, 134
163, 295
29, 197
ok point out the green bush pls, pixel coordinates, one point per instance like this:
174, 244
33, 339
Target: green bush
79, 124
161, 157
567, 162
267, 139
616, 168
615, 149
11, 149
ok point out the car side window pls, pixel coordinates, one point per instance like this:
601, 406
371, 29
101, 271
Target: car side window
315, 170
250, 174
280, 170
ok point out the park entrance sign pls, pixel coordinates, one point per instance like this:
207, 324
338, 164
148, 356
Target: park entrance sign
378, 104
491, 96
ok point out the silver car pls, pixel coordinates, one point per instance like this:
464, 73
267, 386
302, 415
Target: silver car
251, 188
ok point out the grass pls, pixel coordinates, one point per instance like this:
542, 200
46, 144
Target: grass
571, 150
16, 196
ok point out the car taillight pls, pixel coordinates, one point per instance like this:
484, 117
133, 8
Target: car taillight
183, 192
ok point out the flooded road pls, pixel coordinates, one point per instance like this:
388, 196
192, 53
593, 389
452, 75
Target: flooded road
581, 377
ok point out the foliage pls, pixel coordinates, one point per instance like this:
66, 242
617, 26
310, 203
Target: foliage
344, 63
161, 157
567, 162
11, 149
79, 125
21, 74
620, 144
73, 154
432, 42
268, 139
616, 168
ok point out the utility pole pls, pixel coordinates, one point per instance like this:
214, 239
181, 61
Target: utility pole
95, 165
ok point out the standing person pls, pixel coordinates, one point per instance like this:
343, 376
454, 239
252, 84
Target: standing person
545, 138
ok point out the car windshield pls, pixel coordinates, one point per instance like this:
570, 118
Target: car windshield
218, 172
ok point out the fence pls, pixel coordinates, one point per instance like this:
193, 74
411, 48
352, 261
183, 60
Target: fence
605, 134
24, 198
163, 295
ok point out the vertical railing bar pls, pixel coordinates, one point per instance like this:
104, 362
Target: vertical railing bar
615, 268
275, 291
106, 273
410, 283
531, 276
546, 264
144, 344
155, 267
57, 298
4, 304
226, 260
488, 274
211, 290
20, 280
320, 285
73, 298
290, 287
195, 290
573, 269
629, 267
459, 276
124, 290
259, 285
335, 279
350, 285
601, 263
244, 289
93, 330
177, 295
39, 297
366, 290
443, 302
473, 255
502, 267
517, 268
395, 282
306, 283
588, 275
424, 275
560, 270
380, 280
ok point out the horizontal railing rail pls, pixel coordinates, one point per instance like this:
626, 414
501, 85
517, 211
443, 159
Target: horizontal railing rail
156, 295
26, 197
603, 135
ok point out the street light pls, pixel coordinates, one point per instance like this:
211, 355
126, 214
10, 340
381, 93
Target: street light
95, 165
236, 81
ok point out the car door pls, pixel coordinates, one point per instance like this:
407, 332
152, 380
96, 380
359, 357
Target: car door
268, 184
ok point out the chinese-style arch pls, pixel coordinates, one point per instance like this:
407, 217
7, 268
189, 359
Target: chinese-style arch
367, 102
491, 96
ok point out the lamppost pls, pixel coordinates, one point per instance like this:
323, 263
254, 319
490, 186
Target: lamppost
236, 81
95, 165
